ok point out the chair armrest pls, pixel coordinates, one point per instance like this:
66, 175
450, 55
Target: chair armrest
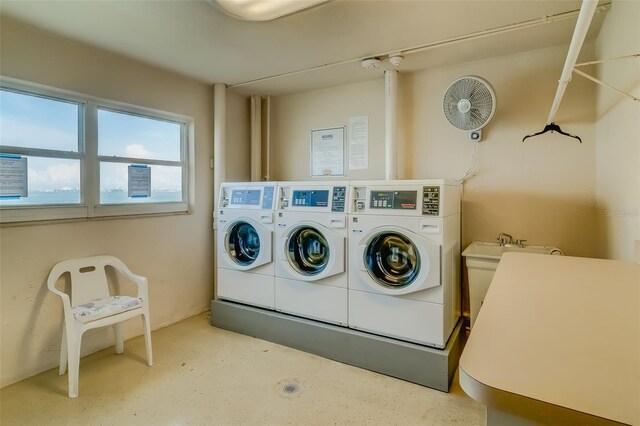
140, 281
66, 300
143, 287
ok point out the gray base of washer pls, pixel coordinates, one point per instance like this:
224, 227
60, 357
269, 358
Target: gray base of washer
426, 366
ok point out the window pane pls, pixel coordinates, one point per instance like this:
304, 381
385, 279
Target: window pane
134, 136
166, 184
36, 122
50, 181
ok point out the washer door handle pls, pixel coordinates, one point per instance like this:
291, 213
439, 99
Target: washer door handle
224, 241
285, 249
360, 257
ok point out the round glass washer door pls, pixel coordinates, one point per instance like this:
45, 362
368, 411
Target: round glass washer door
392, 260
308, 250
243, 244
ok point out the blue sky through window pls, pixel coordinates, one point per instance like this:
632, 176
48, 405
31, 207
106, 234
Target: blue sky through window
33, 122
28, 121
126, 135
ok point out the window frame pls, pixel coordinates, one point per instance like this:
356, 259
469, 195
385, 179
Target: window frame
87, 154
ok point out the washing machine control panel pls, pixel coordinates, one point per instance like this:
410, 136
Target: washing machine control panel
396, 200
310, 198
422, 200
245, 197
321, 198
431, 200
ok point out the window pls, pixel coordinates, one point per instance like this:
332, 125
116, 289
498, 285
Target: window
43, 133
65, 155
126, 138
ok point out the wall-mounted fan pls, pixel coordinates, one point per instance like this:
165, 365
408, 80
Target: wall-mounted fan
469, 104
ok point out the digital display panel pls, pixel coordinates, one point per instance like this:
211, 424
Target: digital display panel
250, 197
395, 200
310, 198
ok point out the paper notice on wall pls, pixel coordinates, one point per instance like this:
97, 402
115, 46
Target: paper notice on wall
139, 181
358, 143
13, 176
327, 152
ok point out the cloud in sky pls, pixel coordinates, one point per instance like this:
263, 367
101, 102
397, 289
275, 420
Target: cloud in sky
137, 150
64, 175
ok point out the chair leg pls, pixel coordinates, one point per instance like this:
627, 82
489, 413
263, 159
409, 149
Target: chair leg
74, 340
118, 328
63, 351
147, 337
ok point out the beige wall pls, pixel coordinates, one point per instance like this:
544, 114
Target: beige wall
541, 190
238, 138
618, 134
294, 116
175, 252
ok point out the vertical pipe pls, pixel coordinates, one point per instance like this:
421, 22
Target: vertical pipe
267, 175
219, 172
219, 130
256, 138
587, 10
391, 124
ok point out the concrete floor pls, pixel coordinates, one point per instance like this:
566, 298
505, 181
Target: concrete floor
206, 376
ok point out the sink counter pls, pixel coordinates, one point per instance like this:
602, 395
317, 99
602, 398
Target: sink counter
557, 342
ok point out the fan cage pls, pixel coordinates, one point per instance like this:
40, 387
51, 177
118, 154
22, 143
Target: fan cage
481, 96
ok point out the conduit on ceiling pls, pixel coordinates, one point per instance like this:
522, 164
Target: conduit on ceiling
544, 20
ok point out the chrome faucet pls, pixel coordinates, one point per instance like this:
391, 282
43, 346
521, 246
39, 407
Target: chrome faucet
504, 239
520, 243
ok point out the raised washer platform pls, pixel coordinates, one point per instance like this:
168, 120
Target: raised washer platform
425, 366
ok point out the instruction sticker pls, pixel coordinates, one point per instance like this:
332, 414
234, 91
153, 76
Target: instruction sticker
13, 176
139, 181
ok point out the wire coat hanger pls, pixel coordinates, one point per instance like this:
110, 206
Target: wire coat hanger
552, 127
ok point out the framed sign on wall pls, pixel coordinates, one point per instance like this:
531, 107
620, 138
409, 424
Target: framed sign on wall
327, 152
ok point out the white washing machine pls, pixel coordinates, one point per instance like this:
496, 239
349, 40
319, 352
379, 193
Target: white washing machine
310, 243
245, 243
404, 259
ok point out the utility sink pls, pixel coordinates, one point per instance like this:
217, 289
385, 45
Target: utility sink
494, 251
482, 260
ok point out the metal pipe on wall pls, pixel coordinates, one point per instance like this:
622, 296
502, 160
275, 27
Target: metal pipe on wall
267, 175
391, 124
587, 10
256, 138
219, 130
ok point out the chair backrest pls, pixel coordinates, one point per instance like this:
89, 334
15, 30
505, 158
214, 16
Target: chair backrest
88, 277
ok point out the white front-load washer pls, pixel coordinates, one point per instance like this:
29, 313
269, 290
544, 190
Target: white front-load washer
245, 243
311, 233
404, 259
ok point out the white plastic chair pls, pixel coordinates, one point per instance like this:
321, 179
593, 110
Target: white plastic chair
91, 306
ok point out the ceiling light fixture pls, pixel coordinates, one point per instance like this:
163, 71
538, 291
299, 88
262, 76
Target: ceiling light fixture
264, 10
